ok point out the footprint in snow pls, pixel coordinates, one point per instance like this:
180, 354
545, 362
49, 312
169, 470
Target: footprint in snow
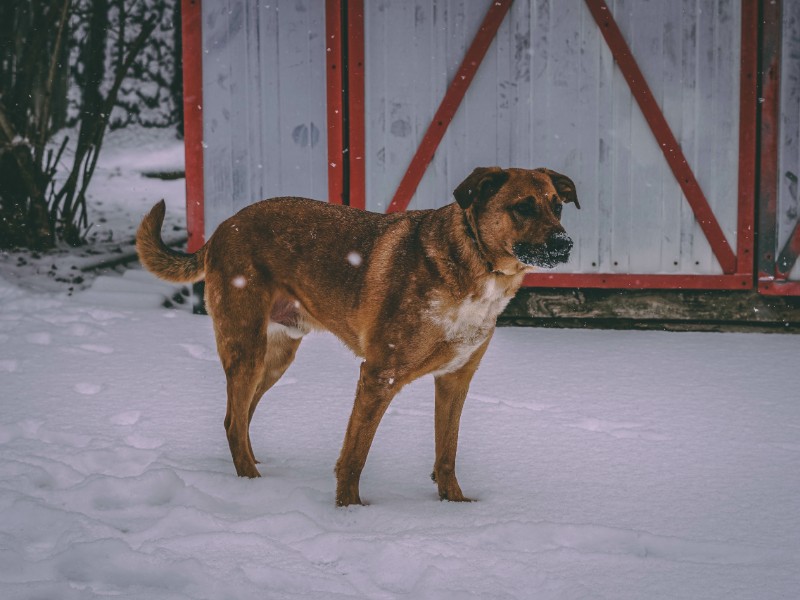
98, 348
510, 403
83, 330
142, 442
619, 430
129, 417
87, 389
200, 352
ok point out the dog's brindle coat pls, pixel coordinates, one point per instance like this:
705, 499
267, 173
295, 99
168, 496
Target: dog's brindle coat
411, 293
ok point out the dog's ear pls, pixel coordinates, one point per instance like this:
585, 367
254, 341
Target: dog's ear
564, 186
482, 183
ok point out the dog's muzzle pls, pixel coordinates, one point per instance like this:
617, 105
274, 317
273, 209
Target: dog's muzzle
553, 252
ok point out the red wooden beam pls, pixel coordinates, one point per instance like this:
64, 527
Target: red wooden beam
355, 82
779, 288
449, 105
335, 100
192, 47
663, 134
626, 281
748, 105
769, 108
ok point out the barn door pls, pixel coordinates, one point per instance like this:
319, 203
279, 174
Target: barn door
779, 209
648, 106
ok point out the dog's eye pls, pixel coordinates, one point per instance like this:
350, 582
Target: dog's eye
525, 209
557, 207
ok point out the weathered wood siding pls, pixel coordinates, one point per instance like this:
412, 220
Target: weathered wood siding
789, 149
548, 94
264, 130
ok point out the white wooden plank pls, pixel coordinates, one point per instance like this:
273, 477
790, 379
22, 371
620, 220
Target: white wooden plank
725, 199
240, 99
218, 187
687, 133
645, 40
622, 187
271, 141
607, 143
562, 149
429, 88
788, 211
301, 132
584, 224
457, 144
389, 94
264, 97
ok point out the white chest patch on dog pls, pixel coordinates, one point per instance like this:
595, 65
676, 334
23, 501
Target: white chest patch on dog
467, 325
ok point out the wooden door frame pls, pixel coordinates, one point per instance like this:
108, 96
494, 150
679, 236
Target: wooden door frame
192, 48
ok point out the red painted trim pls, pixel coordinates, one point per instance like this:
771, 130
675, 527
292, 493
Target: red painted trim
355, 80
335, 101
625, 281
772, 287
192, 48
748, 103
663, 134
769, 107
449, 105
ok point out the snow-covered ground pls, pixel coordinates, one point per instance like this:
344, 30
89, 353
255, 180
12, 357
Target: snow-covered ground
606, 464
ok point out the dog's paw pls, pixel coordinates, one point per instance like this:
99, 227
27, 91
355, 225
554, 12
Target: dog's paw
454, 497
347, 493
450, 490
248, 471
342, 501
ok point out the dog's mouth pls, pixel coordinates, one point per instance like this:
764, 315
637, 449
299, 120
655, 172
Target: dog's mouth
553, 252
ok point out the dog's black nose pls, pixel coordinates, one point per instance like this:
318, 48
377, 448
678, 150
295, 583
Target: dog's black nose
559, 243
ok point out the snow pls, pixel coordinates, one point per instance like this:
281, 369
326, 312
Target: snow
354, 258
605, 464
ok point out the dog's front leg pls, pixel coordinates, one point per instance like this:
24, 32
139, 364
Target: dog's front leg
374, 393
451, 392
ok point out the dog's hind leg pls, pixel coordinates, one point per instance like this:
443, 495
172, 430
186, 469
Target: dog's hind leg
451, 392
240, 325
281, 350
244, 371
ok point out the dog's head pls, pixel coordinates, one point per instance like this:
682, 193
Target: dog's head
515, 216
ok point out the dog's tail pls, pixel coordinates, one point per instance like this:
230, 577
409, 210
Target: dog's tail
161, 260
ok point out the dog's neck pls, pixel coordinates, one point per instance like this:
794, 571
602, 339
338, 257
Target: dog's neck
472, 234
482, 252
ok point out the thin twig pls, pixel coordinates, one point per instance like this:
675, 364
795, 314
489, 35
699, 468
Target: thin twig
44, 123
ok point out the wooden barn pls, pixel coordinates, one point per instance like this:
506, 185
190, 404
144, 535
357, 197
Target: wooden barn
678, 121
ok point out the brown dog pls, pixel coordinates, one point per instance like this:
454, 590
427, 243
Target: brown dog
411, 293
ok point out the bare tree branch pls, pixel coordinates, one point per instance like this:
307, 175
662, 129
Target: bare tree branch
44, 119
